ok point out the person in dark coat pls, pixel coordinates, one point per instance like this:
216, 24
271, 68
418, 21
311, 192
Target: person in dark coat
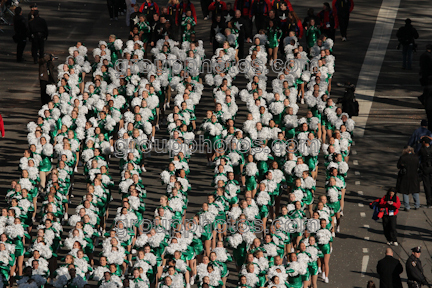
406, 36
342, 10
217, 26
425, 154
46, 76
241, 26
389, 270
38, 30
259, 12
245, 7
408, 178
20, 36
414, 269
349, 104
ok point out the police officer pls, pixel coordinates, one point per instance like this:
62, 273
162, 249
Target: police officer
414, 270
425, 154
38, 34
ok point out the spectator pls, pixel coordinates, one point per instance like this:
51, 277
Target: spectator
414, 269
408, 179
113, 9
415, 138
2, 130
389, 270
342, 8
38, 33
406, 36
327, 21
217, 8
390, 204
20, 36
425, 154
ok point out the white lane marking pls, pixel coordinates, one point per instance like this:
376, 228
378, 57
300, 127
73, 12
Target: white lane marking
373, 60
355, 162
390, 122
357, 182
366, 226
396, 84
360, 192
357, 173
397, 96
365, 250
365, 262
385, 135
402, 109
360, 204
366, 238
354, 152
362, 214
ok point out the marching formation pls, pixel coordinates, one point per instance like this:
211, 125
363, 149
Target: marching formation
262, 213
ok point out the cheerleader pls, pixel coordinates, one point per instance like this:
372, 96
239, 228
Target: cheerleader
324, 238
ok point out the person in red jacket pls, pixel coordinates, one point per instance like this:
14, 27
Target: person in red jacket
181, 11
389, 206
2, 127
217, 7
341, 12
327, 21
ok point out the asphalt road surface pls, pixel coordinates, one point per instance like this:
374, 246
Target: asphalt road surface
369, 58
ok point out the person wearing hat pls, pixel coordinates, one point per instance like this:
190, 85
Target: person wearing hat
418, 134
406, 36
33, 7
389, 270
414, 269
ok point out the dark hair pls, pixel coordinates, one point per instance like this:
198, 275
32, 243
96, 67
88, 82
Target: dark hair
327, 5
370, 284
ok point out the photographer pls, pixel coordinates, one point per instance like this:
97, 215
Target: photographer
38, 34
46, 76
406, 36
348, 101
